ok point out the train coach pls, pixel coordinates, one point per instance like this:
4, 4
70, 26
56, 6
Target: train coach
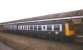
66, 28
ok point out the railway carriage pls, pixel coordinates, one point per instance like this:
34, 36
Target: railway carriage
66, 28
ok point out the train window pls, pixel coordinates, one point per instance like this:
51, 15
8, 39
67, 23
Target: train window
31, 27
20, 27
39, 27
26, 27
49, 27
58, 27
52, 27
35, 28
44, 27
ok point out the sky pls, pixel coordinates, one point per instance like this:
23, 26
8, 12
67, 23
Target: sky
19, 9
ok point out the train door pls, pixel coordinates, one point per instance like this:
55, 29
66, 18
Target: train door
56, 31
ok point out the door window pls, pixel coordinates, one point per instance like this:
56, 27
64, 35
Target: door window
44, 27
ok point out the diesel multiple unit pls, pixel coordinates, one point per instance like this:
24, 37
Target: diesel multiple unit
58, 28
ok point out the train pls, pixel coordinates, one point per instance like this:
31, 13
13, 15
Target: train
66, 28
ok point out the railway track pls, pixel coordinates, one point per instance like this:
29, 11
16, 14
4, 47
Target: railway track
19, 42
